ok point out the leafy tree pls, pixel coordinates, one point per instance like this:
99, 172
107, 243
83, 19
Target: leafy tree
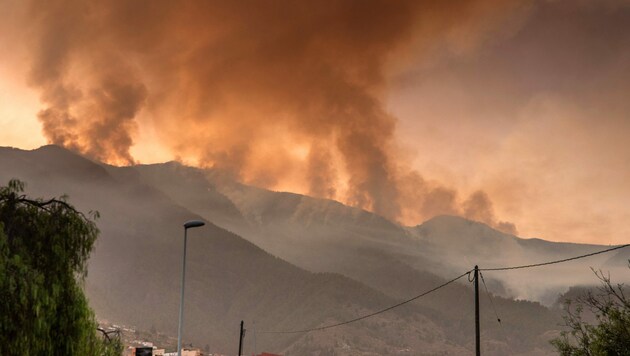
112, 343
609, 335
44, 247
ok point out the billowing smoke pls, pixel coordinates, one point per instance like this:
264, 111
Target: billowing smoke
479, 207
268, 91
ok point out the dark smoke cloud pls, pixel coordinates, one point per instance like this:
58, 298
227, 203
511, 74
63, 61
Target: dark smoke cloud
479, 207
241, 85
90, 91
321, 172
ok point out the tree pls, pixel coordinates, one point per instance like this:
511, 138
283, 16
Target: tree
44, 247
609, 335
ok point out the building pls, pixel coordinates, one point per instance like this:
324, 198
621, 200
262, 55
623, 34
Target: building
186, 352
144, 351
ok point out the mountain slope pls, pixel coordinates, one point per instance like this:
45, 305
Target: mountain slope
460, 243
134, 271
323, 235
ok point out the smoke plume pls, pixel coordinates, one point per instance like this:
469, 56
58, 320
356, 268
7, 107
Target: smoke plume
269, 91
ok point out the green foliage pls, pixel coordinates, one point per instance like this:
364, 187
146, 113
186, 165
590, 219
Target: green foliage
113, 347
609, 335
44, 247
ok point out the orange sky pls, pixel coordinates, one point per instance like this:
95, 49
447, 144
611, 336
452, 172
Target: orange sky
523, 101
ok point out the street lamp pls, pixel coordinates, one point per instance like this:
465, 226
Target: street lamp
187, 225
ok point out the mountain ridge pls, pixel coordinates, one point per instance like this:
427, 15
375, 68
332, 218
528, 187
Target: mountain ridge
116, 267
281, 218
349, 259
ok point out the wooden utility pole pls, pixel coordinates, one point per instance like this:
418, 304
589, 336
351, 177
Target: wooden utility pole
240, 340
477, 332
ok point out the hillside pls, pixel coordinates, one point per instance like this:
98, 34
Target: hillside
324, 235
459, 243
134, 272
341, 262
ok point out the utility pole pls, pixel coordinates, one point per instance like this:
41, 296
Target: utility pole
477, 332
240, 340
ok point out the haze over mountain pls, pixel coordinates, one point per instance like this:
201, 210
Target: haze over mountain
289, 261
324, 235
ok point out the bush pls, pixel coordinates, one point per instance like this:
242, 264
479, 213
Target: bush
609, 335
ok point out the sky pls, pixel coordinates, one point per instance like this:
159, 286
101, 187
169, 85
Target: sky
513, 113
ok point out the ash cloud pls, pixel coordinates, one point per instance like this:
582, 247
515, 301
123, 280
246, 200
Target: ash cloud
238, 85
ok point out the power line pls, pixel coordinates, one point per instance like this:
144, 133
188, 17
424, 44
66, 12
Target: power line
554, 262
496, 314
442, 286
371, 314
489, 297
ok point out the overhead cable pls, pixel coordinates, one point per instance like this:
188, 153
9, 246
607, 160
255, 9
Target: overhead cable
489, 297
439, 287
554, 262
371, 314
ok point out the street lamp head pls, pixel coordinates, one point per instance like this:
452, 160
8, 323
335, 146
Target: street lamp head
193, 223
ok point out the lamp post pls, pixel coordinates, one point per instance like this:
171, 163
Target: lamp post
187, 225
